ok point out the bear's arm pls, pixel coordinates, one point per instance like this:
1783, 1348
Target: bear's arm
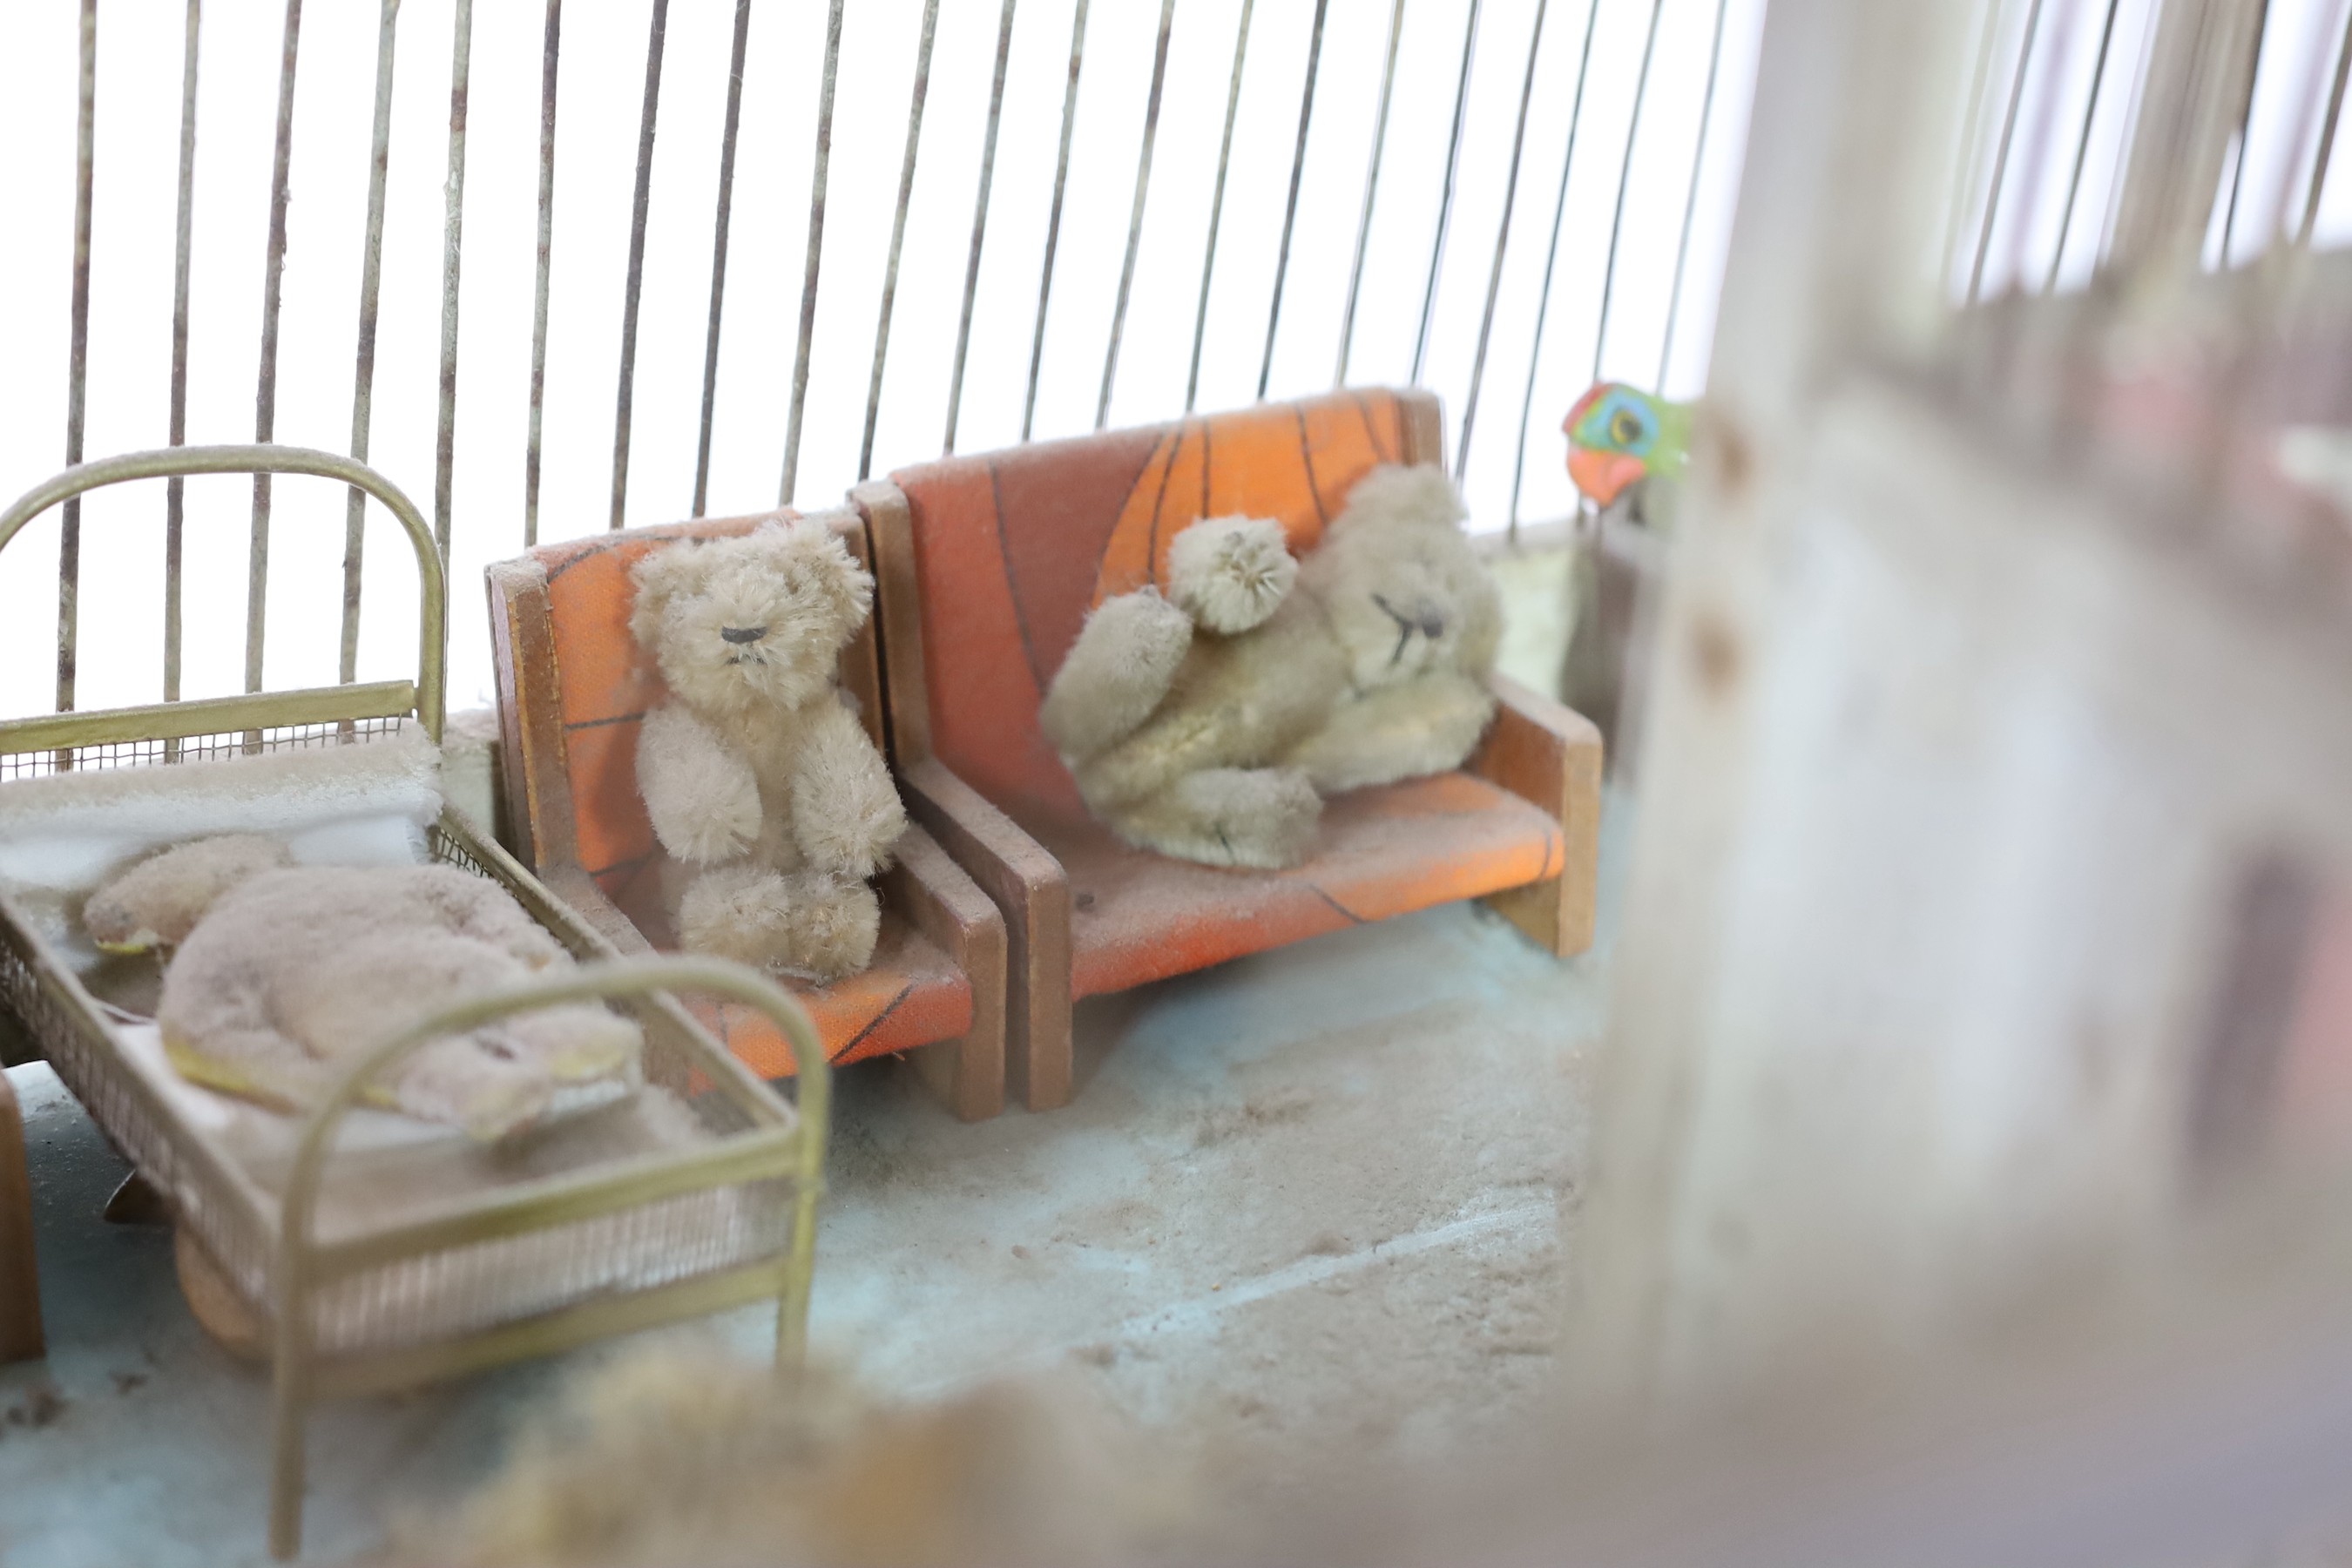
699, 792
846, 812
1116, 674
1425, 726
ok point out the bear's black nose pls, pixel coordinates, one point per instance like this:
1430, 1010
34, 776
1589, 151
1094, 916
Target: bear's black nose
743, 634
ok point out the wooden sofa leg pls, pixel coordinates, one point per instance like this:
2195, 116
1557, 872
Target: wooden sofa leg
1550, 756
947, 906
966, 1075
1038, 1011
20, 1278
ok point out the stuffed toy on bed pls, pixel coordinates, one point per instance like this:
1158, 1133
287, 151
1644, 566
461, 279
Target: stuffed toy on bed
1209, 724
279, 974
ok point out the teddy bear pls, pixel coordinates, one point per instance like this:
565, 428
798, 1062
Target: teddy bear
279, 974
1209, 723
761, 784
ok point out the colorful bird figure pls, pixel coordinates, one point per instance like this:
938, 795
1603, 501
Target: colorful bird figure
1626, 451
1620, 436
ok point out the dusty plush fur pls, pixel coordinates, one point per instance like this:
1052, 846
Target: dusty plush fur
157, 902
1371, 668
1229, 573
288, 970
697, 1459
759, 778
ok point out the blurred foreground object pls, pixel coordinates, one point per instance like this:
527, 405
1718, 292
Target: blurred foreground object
693, 1458
1626, 451
1986, 939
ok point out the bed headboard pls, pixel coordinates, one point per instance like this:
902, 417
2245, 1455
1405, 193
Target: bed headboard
255, 721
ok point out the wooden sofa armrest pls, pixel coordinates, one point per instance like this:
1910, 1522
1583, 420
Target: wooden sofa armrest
1025, 883
936, 895
1550, 756
579, 889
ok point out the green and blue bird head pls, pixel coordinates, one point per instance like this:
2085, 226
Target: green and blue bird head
1619, 436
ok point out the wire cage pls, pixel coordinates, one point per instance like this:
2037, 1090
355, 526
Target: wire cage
741, 254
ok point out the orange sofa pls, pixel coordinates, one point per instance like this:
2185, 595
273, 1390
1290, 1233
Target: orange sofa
988, 567
572, 691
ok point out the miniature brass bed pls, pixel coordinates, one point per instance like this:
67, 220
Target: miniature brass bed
530, 1266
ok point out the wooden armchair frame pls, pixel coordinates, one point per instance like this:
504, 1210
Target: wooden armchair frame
996, 820
937, 989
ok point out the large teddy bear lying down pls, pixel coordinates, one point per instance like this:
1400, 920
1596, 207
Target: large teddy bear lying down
1210, 724
279, 974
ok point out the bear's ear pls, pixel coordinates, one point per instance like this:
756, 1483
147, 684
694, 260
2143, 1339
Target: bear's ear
1392, 495
823, 564
661, 575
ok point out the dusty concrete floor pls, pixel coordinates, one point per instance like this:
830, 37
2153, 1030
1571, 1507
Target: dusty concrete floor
1304, 1209
1304, 1213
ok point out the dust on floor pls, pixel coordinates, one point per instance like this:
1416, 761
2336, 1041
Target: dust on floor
1303, 1217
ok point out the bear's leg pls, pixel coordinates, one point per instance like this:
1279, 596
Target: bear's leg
1228, 816
806, 923
573, 1044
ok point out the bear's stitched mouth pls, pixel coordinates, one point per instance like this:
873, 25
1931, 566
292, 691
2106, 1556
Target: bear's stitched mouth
1429, 623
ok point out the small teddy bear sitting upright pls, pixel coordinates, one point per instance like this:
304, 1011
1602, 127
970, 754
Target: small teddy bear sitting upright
1209, 724
774, 803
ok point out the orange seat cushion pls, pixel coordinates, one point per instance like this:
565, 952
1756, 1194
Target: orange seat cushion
1139, 917
913, 993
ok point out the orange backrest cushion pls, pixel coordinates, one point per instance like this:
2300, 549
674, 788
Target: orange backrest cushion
1013, 549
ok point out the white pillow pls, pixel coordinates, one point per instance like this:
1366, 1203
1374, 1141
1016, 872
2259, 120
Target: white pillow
63, 835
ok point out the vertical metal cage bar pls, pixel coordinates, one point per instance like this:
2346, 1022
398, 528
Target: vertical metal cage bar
1371, 188
2326, 134
897, 234
1551, 260
1502, 246
720, 223
810, 271
1445, 194
1624, 179
1690, 198
1054, 222
2245, 130
363, 370
1135, 215
265, 396
550, 51
77, 366
1217, 201
2082, 145
980, 214
626, 395
1290, 208
175, 490
1964, 172
453, 247
2000, 151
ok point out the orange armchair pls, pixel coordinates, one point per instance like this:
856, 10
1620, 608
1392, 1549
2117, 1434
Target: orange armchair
572, 691
988, 567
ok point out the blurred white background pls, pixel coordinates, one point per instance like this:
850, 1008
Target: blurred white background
601, 97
